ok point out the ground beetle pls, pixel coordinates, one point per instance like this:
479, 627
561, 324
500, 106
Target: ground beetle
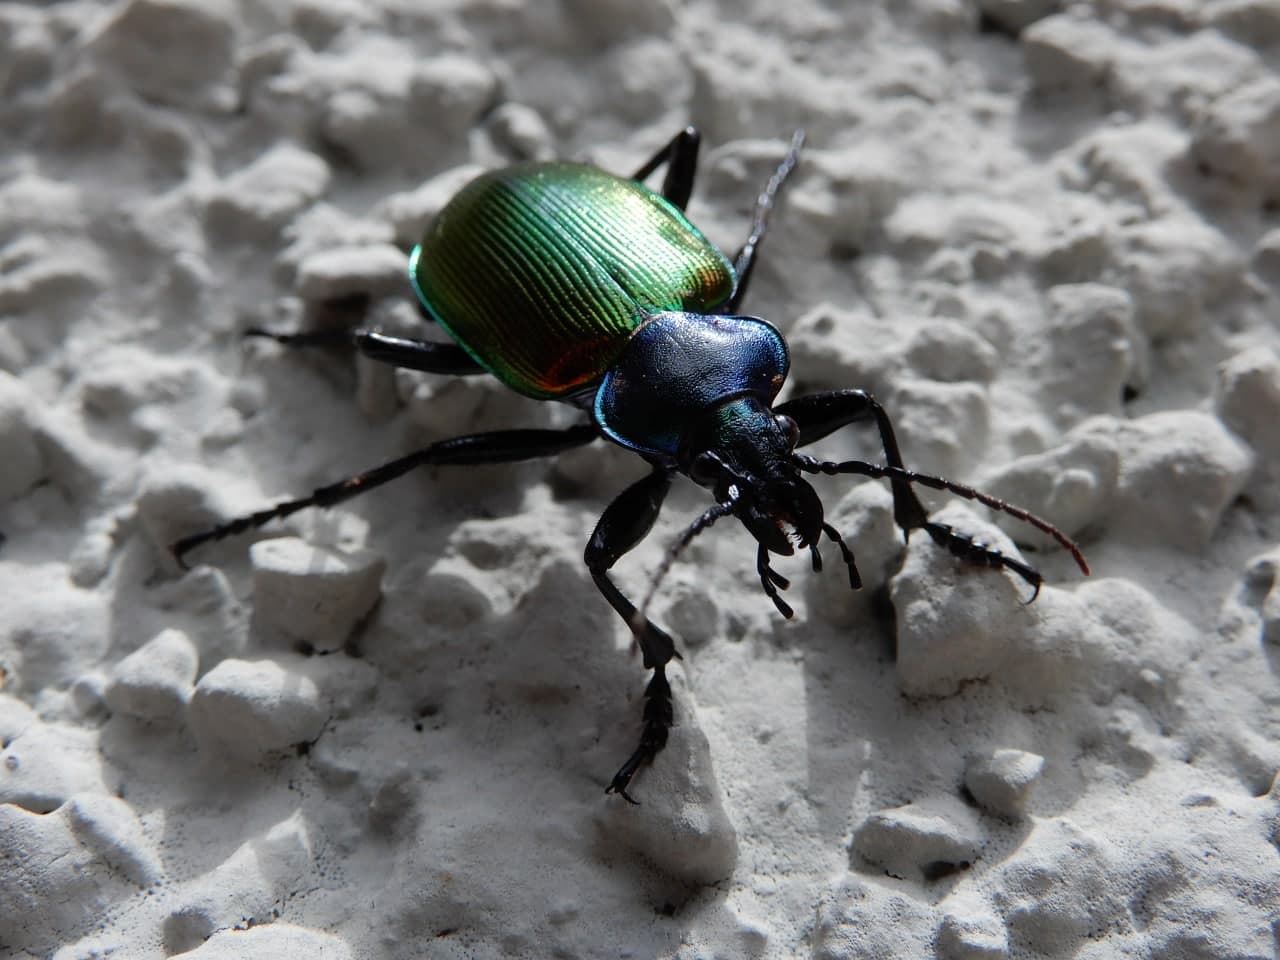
568, 283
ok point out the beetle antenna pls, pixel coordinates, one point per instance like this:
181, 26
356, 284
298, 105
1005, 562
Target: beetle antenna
710, 516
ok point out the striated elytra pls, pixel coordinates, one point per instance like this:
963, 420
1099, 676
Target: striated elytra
569, 283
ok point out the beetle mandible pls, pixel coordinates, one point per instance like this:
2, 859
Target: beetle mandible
569, 283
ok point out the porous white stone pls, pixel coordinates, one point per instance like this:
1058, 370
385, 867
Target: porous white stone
1074, 484
954, 624
376, 270
1001, 780
1247, 398
1174, 268
171, 51
265, 195
245, 887
1067, 53
66, 870
681, 825
270, 941
155, 682
1237, 137
1178, 472
110, 827
46, 763
246, 709
971, 930
1062, 889
1093, 350
314, 595
19, 451
453, 90
926, 840
864, 518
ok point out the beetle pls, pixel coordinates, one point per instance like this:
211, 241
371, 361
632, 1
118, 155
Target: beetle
572, 284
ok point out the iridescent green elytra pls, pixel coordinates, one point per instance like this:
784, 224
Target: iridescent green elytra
541, 271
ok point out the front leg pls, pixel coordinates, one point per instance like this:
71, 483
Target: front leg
624, 524
820, 414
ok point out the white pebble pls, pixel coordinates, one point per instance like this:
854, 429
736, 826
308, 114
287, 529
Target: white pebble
1094, 349
1067, 53
1179, 469
171, 51
373, 269
970, 930
857, 920
454, 91
246, 709
311, 594
864, 518
265, 195
521, 132
923, 841
155, 682
19, 451
1074, 484
1176, 268
1236, 139
1001, 780
1247, 398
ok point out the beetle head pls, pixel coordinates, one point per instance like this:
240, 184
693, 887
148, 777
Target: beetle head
742, 452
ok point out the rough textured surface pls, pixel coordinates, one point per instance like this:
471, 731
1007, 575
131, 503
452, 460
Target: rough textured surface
1045, 234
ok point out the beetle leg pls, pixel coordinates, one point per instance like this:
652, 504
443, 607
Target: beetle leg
745, 261
820, 414
681, 157
503, 446
945, 536
425, 355
624, 524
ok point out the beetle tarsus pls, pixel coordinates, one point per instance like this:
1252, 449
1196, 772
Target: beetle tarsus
659, 715
975, 551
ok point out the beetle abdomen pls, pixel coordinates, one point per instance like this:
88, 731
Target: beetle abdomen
542, 271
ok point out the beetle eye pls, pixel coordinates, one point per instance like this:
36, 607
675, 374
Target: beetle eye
704, 470
790, 428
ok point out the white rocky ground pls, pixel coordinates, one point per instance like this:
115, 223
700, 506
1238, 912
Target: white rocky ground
1047, 235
